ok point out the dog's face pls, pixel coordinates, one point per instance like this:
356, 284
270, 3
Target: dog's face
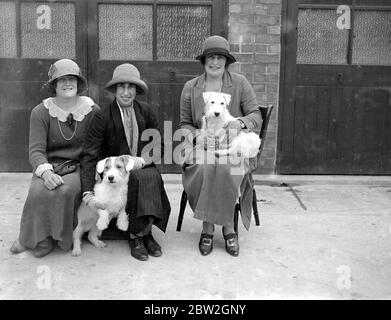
115, 169
216, 104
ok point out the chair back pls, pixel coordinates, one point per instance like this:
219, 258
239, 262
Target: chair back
266, 111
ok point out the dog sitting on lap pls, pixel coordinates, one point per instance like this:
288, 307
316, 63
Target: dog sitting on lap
245, 144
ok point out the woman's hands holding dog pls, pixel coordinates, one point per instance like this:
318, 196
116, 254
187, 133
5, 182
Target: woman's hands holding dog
207, 140
91, 201
51, 180
138, 163
232, 129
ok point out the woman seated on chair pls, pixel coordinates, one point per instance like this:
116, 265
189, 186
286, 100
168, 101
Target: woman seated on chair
214, 185
57, 127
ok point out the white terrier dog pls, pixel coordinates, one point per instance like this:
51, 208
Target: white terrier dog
245, 144
112, 192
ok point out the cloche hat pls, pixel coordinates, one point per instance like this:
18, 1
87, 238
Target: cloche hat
216, 45
65, 67
127, 73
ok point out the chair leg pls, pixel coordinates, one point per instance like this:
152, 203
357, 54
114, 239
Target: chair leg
236, 217
181, 210
255, 208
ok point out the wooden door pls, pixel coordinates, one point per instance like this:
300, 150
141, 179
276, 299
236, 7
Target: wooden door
33, 35
335, 97
162, 39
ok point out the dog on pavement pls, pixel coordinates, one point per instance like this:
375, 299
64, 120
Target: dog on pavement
112, 192
245, 144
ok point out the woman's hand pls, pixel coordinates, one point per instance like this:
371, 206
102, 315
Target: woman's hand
232, 129
138, 163
207, 141
51, 180
91, 201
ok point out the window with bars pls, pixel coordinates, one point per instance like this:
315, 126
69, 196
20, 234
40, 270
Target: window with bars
320, 41
130, 31
42, 30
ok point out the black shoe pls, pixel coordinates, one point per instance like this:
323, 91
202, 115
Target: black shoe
232, 244
137, 249
206, 243
153, 248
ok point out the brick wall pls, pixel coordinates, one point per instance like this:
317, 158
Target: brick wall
254, 35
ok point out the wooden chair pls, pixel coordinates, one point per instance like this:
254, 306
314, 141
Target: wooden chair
266, 112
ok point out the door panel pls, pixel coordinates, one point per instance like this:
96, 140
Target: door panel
36, 34
162, 44
335, 95
161, 38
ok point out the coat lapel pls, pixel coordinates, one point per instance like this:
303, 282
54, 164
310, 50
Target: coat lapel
199, 104
228, 88
140, 124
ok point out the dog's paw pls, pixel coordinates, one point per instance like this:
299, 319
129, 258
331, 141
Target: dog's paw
76, 252
99, 244
123, 224
101, 225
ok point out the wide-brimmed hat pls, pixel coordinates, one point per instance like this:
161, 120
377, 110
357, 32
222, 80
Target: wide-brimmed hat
64, 67
216, 45
127, 73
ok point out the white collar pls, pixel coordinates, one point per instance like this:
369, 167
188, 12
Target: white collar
83, 107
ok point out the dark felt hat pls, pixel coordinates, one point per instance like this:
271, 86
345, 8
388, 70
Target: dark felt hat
216, 45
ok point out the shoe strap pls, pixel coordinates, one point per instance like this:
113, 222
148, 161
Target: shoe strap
231, 242
230, 236
206, 239
206, 242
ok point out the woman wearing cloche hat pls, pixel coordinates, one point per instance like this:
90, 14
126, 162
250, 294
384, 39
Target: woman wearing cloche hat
117, 130
212, 184
57, 128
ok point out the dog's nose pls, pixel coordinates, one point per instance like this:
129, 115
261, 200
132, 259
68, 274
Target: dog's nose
217, 114
111, 178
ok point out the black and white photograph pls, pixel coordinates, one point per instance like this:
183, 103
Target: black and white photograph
195, 155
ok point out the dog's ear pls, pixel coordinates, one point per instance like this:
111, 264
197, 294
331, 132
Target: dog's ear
100, 166
227, 98
206, 96
128, 161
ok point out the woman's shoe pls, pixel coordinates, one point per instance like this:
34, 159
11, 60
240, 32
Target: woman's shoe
43, 248
232, 244
17, 247
206, 243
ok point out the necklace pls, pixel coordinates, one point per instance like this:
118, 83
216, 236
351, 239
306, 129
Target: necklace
73, 134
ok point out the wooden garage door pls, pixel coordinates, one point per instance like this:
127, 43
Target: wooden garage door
32, 36
161, 38
335, 115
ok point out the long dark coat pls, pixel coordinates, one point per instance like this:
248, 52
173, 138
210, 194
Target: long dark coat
106, 137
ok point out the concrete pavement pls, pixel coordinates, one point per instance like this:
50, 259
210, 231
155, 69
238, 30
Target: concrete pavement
321, 237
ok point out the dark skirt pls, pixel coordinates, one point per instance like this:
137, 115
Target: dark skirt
50, 212
147, 198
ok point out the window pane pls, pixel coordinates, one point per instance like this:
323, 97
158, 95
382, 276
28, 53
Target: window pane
48, 30
319, 41
7, 30
372, 41
181, 31
125, 32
